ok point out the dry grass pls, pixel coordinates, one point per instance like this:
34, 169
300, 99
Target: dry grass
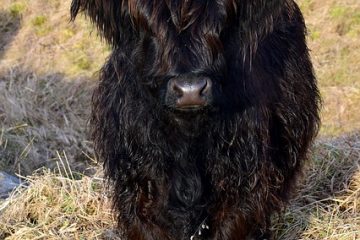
46, 77
47, 68
60, 206
56, 206
39, 115
334, 38
46, 42
328, 203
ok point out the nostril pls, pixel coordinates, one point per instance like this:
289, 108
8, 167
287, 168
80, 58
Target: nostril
206, 85
177, 89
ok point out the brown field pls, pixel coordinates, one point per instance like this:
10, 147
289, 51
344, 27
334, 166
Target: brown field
48, 68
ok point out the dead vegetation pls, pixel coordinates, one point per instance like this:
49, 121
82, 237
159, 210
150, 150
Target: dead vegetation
47, 68
66, 205
334, 38
56, 206
327, 206
40, 115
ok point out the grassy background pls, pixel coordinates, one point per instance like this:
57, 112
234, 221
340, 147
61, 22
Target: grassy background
48, 68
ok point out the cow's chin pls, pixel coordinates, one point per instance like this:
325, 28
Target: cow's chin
190, 123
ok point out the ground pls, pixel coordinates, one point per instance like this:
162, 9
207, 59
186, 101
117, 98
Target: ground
48, 68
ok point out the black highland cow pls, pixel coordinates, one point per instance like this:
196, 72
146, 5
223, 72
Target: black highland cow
203, 115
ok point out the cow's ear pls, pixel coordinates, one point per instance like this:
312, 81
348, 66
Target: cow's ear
109, 16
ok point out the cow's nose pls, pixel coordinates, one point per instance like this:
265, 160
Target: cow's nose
190, 94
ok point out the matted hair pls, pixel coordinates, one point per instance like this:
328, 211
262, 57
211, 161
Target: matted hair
236, 163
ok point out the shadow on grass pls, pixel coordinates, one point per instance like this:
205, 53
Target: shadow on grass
325, 203
42, 119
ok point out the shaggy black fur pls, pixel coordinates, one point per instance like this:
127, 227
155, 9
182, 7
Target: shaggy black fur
233, 163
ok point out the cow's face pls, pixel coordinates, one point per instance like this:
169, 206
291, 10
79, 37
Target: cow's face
188, 55
180, 52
